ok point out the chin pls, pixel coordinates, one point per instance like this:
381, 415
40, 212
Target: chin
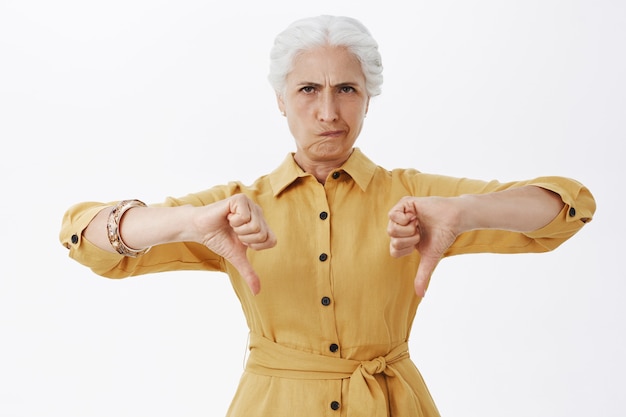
333, 154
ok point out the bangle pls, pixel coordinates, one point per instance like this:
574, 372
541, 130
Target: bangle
113, 228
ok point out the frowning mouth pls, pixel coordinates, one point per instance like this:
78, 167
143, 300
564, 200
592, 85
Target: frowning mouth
332, 133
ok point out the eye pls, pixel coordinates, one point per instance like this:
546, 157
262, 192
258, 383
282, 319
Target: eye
347, 89
308, 89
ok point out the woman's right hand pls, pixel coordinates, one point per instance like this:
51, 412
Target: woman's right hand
229, 227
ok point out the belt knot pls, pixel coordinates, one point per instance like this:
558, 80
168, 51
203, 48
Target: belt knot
375, 366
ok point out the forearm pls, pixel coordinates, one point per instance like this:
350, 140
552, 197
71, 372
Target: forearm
522, 209
142, 227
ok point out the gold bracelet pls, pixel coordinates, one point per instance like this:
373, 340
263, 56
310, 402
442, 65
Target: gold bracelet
113, 228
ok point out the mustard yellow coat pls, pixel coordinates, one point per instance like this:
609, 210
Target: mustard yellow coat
330, 328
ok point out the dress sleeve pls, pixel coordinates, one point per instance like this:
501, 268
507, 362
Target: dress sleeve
579, 207
167, 257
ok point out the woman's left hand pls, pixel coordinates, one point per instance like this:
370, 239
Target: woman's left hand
428, 224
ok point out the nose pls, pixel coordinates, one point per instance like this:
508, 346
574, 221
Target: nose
328, 109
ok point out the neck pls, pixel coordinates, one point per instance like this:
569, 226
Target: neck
319, 169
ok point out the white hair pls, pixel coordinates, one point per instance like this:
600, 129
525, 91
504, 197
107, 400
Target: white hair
309, 33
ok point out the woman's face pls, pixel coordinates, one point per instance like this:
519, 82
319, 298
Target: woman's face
325, 102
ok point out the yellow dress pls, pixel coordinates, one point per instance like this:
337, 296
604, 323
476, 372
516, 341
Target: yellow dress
330, 327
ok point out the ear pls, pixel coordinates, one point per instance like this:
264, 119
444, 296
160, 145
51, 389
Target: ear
281, 102
367, 105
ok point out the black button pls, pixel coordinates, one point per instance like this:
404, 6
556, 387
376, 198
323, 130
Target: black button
334, 405
323, 215
334, 347
74, 239
572, 211
325, 301
336, 174
323, 257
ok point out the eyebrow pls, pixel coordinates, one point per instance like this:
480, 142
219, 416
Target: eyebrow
342, 84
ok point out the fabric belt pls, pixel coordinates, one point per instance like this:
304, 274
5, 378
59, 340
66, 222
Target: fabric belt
366, 397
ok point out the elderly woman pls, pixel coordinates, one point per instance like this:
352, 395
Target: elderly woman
329, 254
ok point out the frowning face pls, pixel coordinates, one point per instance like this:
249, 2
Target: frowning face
325, 102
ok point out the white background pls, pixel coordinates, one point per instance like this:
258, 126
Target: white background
145, 99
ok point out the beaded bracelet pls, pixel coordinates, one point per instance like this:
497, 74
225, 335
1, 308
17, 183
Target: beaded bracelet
113, 228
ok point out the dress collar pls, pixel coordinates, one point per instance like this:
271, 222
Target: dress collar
358, 166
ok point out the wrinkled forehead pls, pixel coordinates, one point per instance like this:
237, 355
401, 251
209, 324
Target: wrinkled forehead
323, 64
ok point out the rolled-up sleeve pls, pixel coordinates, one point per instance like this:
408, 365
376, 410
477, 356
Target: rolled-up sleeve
579, 208
75, 221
